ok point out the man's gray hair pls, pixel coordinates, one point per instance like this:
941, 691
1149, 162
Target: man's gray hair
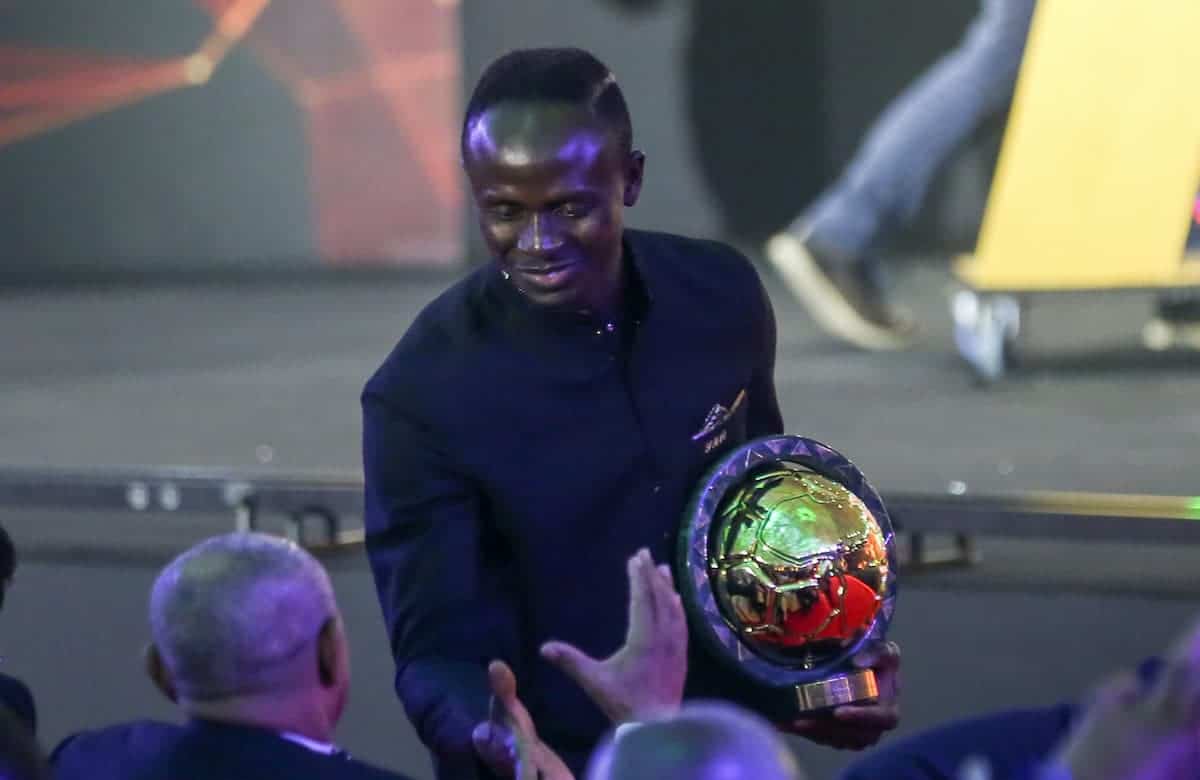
229, 613
703, 741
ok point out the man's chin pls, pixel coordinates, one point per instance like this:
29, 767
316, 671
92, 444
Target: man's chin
565, 299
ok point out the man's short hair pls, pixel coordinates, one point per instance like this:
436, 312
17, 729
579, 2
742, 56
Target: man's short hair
228, 614
553, 75
704, 741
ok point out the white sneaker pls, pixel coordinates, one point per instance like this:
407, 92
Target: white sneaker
843, 301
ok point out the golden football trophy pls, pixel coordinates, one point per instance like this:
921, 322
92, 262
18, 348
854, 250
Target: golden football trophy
786, 564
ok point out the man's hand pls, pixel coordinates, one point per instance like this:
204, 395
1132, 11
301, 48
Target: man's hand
643, 679
508, 742
1129, 732
1134, 730
858, 726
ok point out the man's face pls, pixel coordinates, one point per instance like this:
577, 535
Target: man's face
551, 184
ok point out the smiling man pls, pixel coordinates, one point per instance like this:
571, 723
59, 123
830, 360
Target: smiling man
550, 414
551, 183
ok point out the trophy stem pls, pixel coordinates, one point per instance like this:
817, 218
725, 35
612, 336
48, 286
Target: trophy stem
849, 688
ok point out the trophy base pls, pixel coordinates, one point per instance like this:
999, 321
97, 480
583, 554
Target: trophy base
849, 688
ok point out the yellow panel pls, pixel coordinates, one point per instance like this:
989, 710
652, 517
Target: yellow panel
1101, 157
979, 274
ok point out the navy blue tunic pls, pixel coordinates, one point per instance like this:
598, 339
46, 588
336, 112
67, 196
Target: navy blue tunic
515, 457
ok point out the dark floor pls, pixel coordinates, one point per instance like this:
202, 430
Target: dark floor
268, 377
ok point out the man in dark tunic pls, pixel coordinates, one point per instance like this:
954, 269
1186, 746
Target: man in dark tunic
550, 414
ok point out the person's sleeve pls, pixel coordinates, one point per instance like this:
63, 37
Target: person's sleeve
763, 417
15, 695
27, 709
1013, 743
439, 583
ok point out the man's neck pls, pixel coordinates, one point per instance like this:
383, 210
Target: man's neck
611, 307
292, 714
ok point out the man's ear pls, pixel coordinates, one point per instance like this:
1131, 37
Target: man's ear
159, 674
635, 170
329, 652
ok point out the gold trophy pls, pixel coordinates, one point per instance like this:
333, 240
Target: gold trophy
786, 564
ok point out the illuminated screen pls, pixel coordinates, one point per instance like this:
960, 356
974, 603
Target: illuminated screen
186, 131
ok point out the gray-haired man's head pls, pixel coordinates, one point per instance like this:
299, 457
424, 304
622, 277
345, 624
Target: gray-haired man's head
704, 741
246, 616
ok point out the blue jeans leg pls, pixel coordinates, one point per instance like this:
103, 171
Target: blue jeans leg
886, 181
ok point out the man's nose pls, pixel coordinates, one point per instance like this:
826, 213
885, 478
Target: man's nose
539, 236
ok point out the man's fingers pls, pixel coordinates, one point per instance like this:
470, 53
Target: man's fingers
665, 584
801, 727
578, 665
666, 581
884, 659
673, 624
506, 708
588, 673
844, 736
548, 765
881, 716
661, 586
502, 681
651, 581
497, 712
495, 745
1175, 695
882, 656
641, 606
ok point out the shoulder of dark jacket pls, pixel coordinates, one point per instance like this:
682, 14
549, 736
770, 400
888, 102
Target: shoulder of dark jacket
685, 253
86, 748
441, 329
92, 741
699, 272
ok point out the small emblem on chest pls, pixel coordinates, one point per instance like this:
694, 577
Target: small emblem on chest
714, 420
715, 442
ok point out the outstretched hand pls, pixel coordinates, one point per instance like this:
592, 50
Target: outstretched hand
858, 726
508, 741
644, 678
1144, 731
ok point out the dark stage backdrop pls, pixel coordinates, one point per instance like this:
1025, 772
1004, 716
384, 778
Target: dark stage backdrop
221, 134
747, 109
182, 134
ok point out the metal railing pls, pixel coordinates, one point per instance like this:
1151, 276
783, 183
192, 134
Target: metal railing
329, 499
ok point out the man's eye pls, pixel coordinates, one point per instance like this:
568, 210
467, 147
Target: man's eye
504, 211
573, 210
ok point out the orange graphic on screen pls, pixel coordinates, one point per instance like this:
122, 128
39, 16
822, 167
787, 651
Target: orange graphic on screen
375, 80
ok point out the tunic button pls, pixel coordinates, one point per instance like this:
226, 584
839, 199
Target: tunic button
657, 488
